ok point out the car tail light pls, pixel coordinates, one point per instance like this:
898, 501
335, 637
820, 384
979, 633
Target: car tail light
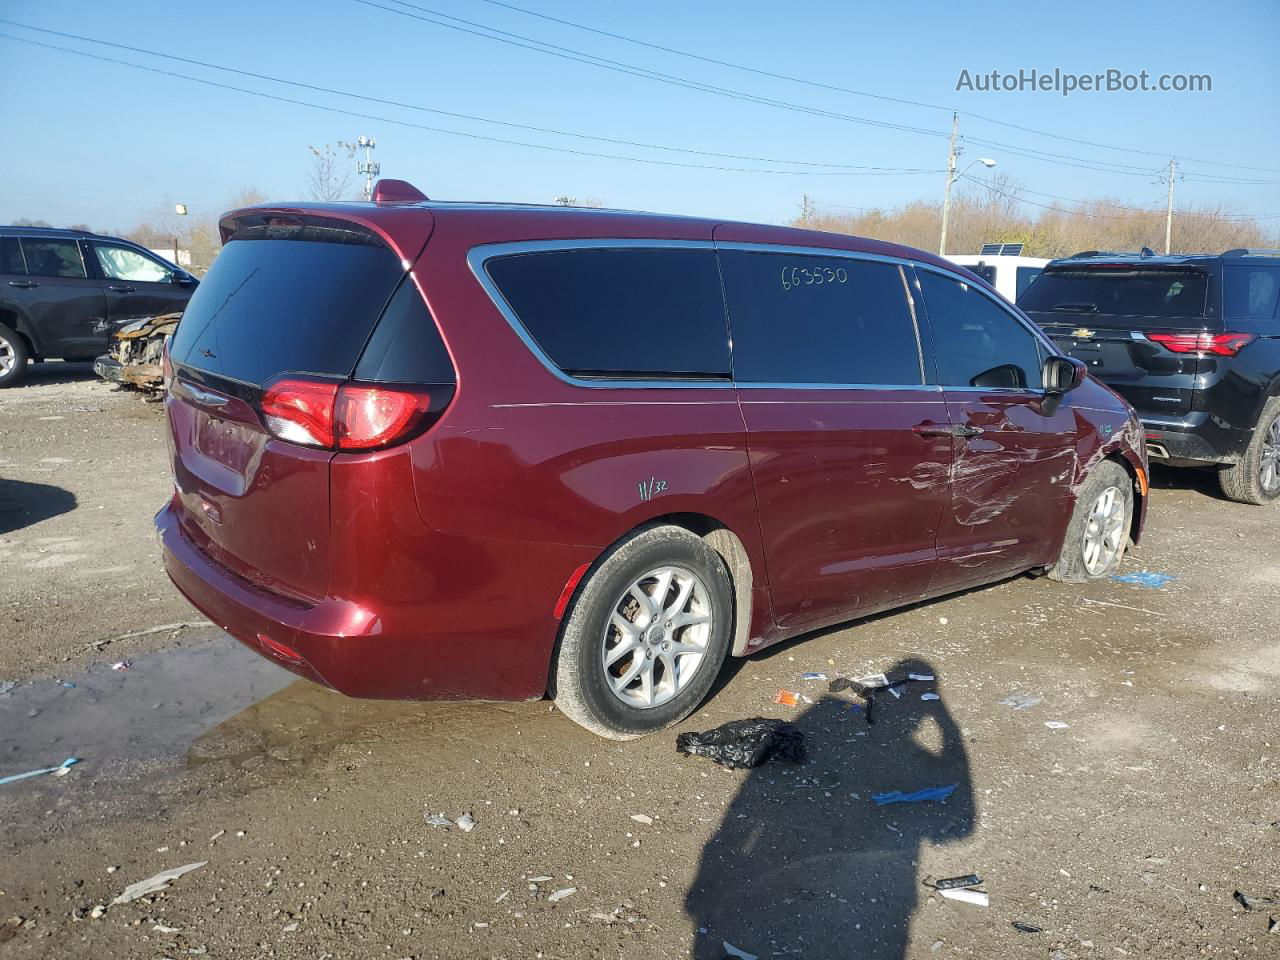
166, 365
1217, 344
300, 411
348, 416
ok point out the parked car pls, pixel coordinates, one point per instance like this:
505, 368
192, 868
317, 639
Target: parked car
443, 450
136, 353
1193, 342
63, 292
1009, 273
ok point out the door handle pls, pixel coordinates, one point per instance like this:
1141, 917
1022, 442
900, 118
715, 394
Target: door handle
23, 284
946, 430
121, 288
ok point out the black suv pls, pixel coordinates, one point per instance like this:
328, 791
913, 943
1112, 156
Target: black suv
63, 292
1192, 341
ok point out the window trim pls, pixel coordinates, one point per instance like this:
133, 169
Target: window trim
1037, 335
480, 254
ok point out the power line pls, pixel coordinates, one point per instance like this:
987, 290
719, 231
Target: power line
578, 56
860, 93
450, 113
460, 133
463, 25
1113, 216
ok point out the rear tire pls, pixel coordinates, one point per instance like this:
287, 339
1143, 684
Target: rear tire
1099, 529
646, 635
13, 357
1256, 478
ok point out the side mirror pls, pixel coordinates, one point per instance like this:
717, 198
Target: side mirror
181, 277
1062, 374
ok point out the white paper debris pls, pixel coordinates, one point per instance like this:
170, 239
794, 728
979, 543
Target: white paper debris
921, 676
642, 818
929, 696
561, 894
466, 823
731, 951
976, 897
155, 884
1057, 725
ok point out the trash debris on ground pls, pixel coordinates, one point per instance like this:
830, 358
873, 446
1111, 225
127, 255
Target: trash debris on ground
163, 628
66, 683
743, 744
813, 676
967, 895
1273, 926
561, 894
502, 896
1145, 579
1026, 927
731, 951
6, 686
642, 818
160, 881
466, 823
786, 698
955, 883
1253, 903
540, 879
939, 794
1022, 701
59, 771
160, 928
868, 687
929, 696
121, 665
1057, 725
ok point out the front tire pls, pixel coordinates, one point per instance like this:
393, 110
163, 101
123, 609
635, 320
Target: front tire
1099, 529
645, 636
13, 357
1256, 478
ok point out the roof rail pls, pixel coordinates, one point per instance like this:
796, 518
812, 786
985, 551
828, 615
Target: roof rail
1097, 253
1247, 252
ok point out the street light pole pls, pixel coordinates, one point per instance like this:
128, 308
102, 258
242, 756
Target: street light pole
951, 178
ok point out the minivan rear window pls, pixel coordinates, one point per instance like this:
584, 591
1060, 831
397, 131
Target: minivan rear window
287, 299
624, 312
1118, 291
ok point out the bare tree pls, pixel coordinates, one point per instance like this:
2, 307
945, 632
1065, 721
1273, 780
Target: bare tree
567, 201
331, 167
28, 222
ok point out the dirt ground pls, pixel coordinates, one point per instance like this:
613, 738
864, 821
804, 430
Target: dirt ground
1124, 830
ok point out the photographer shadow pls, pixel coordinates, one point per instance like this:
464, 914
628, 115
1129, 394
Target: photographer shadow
805, 863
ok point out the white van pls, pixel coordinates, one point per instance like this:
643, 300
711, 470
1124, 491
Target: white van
1003, 266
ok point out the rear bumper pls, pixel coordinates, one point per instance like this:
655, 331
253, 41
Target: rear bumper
363, 652
1196, 438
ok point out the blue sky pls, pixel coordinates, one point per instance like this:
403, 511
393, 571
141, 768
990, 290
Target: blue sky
105, 144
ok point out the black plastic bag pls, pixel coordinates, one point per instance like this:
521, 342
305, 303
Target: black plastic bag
742, 744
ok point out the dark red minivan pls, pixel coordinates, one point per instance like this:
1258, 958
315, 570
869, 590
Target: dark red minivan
444, 450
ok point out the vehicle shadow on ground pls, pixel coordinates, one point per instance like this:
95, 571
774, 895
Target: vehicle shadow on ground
805, 863
23, 503
1198, 480
48, 374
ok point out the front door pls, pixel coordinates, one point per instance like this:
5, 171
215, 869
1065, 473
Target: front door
1015, 447
137, 285
831, 385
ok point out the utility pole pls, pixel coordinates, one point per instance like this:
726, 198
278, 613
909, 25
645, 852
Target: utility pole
1168, 217
366, 166
951, 178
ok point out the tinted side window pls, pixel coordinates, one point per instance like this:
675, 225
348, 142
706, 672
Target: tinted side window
1251, 293
978, 344
814, 319
620, 312
1022, 280
405, 346
53, 258
11, 256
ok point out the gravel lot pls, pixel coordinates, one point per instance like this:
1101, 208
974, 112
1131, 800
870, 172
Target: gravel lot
1124, 833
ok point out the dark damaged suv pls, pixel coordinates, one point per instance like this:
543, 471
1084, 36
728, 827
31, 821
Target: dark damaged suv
1192, 341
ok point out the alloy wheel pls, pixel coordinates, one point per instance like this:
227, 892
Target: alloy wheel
1269, 462
1104, 532
656, 638
8, 356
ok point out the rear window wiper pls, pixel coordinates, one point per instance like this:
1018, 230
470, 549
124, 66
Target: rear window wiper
1076, 307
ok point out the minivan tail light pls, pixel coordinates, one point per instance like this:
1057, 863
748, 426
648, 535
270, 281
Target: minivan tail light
368, 416
166, 364
300, 411
1217, 344
348, 416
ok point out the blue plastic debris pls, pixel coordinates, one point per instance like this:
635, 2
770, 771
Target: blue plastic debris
813, 676
57, 771
1145, 579
920, 796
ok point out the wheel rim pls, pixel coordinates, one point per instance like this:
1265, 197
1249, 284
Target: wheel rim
1269, 467
1104, 532
656, 638
8, 356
